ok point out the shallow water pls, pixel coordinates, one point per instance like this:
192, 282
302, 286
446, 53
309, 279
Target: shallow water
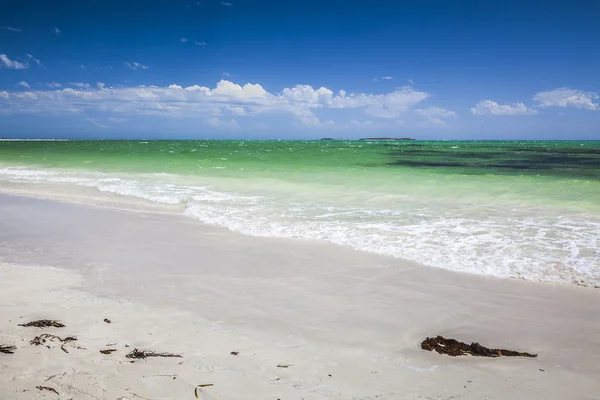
509, 209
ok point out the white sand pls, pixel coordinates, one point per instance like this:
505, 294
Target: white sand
348, 323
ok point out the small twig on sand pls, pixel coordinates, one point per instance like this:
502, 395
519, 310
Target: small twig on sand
453, 347
108, 351
40, 388
141, 397
7, 349
44, 323
108, 321
143, 354
284, 365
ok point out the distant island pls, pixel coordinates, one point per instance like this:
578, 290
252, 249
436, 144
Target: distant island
385, 138
369, 139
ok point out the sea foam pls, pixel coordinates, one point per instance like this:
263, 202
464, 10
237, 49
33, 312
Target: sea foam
510, 243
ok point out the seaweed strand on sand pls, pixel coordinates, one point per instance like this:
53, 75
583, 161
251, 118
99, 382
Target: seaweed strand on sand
143, 354
7, 349
453, 347
48, 388
46, 337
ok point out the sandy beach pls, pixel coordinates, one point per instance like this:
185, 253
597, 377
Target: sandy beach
308, 320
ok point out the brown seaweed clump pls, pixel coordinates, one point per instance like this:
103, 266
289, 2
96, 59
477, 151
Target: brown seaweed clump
453, 347
44, 323
143, 354
7, 349
46, 337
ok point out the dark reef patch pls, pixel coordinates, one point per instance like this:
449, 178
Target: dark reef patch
568, 161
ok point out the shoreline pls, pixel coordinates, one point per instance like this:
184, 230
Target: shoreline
90, 197
174, 285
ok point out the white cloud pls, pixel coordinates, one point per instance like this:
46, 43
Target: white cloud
135, 65
203, 43
226, 74
306, 93
226, 4
489, 107
35, 60
10, 28
217, 123
80, 85
54, 85
248, 91
436, 115
96, 123
56, 31
565, 97
183, 40
386, 78
24, 84
10, 64
226, 100
411, 81
390, 105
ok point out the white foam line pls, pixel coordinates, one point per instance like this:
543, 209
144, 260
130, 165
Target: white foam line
527, 244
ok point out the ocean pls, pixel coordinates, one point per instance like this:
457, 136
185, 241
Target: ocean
509, 209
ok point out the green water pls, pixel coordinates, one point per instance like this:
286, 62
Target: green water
503, 208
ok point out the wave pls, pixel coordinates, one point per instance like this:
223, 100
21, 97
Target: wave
509, 243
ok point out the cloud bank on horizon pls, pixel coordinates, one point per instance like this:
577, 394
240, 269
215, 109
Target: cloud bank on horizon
295, 74
227, 99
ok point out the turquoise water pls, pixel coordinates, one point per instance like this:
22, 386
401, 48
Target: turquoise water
526, 210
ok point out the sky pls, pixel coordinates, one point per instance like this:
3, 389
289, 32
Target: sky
262, 69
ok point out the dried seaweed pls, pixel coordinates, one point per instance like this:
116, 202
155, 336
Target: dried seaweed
44, 323
143, 354
7, 349
234, 353
108, 321
453, 347
46, 337
48, 388
108, 351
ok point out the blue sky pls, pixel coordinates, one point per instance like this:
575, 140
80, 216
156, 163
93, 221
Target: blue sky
300, 69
